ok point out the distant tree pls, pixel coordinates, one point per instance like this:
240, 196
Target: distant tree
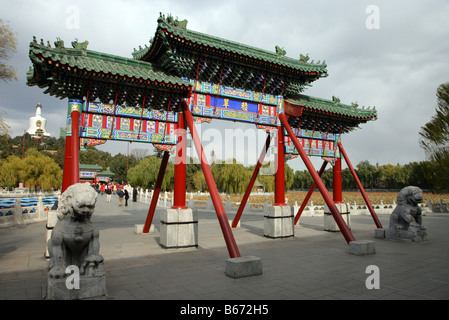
8, 44
4, 127
40, 170
393, 177
199, 181
368, 174
10, 171
4, 136
139, 154
191, 171
435, 138
36, 169
145, 173
232, 177
93, 156
435, 133
302, 180
119, 165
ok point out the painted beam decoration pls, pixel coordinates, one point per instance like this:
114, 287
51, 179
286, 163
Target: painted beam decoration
101, 122
227, 103
108, 122
314, 143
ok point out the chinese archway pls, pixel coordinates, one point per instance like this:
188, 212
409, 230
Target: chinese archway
184, 76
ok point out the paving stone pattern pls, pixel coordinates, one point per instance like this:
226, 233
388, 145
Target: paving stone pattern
314, 264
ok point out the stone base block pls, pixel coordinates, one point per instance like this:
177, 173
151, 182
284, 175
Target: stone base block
89, 288
243, 267
138, 229
329, 221
279, 222
179, 228
362, 247
379, 233
414, 233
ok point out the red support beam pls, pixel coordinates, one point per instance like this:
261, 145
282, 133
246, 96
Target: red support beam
327, 198
338, 186
157, 190
218, 204
67, 170
309, 194
179, 196
75, 145
279, 176
359, 184
71, 171
251, 183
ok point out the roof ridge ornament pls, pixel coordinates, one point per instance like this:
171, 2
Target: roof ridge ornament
172, 21
59, 44
303, 58
335, 99
80, 45
280, 51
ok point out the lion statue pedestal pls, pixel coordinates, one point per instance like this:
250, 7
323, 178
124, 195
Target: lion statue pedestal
75, 269
406, 219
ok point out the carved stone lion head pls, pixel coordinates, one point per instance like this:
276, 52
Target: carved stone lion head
77, 201
410, 195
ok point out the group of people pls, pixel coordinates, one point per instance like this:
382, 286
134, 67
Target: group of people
122, 191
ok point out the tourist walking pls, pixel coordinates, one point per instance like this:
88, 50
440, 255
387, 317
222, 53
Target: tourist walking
134, 194
108, 194
126, 197
120, 194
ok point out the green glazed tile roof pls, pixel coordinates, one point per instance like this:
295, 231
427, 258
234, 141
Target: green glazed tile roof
75, 72
332, 106
93, 61
90, 167
328, 115
194, 55
177, 29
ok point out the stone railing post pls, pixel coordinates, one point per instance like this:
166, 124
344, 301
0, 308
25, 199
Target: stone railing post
18, 217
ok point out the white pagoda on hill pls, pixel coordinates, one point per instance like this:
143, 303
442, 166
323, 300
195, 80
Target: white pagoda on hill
38, 124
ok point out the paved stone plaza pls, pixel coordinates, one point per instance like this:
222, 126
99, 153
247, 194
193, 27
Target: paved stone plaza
314, 264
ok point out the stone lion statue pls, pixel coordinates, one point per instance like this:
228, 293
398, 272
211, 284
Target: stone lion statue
74, 240
406, 218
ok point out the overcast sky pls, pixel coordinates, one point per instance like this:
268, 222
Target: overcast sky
389, 54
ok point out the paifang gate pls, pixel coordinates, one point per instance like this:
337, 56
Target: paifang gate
184, 77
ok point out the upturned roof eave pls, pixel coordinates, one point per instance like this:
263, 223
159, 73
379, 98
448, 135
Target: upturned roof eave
228, 47
97, 62
332, 107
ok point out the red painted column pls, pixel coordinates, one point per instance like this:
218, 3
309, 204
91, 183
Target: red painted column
327, 198
67, 170
75, 107
70, 173
338, 190
251, 183
179, 196
157, 190
218, 204
359, 184
279, 176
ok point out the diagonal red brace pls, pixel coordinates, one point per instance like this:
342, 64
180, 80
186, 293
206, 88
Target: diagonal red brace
157, 190
251, 183
309, 194
327, 198
218, 204
359, 184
